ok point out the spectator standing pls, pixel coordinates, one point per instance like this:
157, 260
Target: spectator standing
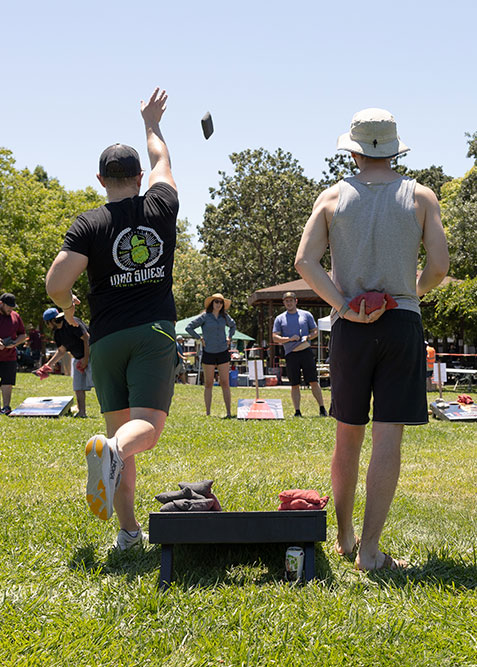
294, 329
216, 344
12, 333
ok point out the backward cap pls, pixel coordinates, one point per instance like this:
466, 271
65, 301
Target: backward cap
119, 161
373, 133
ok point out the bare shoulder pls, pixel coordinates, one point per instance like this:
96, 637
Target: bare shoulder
326, 202
425, 196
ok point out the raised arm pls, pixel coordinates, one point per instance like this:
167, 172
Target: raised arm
152, 112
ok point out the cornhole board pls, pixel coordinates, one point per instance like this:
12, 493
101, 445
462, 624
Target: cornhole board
258, 408
289, 527
454, 412
43, 406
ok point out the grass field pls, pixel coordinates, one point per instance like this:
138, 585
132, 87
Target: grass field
65, 599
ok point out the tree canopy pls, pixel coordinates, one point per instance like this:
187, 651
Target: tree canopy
253, 231
35, 213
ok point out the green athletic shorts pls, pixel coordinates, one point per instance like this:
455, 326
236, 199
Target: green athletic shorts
135, 367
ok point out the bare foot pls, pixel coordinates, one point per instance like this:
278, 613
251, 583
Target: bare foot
347, 547
381, 562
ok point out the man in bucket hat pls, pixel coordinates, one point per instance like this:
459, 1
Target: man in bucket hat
374, 223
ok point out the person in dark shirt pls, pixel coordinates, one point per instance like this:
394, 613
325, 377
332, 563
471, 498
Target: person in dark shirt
127, 247
73, 339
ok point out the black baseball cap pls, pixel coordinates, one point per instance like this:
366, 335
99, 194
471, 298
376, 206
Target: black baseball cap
119, 161
8, 299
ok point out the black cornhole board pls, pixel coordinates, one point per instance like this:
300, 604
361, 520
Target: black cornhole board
454, 412
302, 526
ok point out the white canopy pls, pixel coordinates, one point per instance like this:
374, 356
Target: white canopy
324, 323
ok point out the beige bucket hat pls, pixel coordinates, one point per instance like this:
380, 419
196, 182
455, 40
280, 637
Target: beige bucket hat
373, 133
209, 300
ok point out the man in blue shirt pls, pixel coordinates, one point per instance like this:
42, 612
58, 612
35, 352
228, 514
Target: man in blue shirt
294, 329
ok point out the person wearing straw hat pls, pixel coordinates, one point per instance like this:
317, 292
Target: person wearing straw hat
374, 223
216, 345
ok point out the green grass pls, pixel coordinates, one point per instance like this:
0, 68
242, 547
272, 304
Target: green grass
65, 599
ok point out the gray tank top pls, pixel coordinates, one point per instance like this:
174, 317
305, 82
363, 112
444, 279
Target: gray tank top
374, 240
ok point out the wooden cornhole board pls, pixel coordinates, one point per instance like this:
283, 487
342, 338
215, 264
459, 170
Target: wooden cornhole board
289, 527
258, 408
43, 406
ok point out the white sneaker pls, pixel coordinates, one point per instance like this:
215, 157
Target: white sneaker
126, 540
104, 473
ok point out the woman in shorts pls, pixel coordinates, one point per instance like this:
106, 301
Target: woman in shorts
215, 345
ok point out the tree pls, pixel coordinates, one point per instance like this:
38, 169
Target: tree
193, 274
253, 232
35, 213
451, 310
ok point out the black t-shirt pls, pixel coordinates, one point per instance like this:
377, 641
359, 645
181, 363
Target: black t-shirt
130, 248
70, 337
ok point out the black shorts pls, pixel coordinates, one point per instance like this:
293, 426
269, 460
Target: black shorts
216, 358
8, 372
386, 359
304, 360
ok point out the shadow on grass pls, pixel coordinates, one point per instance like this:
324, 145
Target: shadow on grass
439, 569
244, 564
137, 560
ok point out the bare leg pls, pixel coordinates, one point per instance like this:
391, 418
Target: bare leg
344, 477
317, 393
81, 401
209, 371
137, 430
295, 396
6, 394
381, 482
224, 383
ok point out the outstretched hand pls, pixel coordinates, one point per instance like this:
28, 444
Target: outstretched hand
361, 317
153, 110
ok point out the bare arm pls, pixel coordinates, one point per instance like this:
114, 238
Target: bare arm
61, 277
85, 359
159, 158
433, 239
277, 338
313, 244
59, 354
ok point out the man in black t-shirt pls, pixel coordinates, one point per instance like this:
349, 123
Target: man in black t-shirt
127, 248
73, 339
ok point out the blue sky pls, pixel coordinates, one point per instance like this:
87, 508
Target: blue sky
273, 74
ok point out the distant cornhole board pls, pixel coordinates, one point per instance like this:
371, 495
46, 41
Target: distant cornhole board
43, 406
454, 412
258, 408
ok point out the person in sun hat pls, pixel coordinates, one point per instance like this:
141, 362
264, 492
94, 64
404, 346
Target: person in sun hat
374, 223
294, 329
73, 339
216, 344
12, 333
127, 247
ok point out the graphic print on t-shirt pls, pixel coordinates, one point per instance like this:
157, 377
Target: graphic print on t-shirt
136, 251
